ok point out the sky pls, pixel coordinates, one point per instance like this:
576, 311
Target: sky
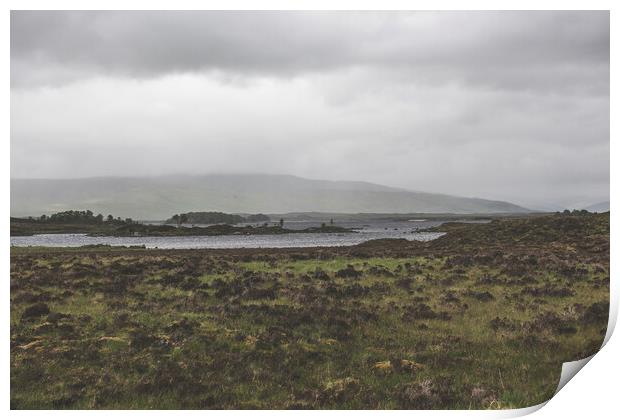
501, 105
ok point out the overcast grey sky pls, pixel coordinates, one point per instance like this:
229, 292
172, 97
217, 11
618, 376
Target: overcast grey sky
500, 105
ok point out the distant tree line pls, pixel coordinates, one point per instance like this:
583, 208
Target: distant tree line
574, 212
82, 217
215, 217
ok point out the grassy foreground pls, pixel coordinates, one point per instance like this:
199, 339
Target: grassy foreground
480, 318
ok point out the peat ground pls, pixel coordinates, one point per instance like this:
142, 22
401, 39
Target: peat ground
482, 317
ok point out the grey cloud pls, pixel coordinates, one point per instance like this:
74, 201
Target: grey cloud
509, 50
501, 105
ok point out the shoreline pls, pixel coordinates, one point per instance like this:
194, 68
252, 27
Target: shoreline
141, 230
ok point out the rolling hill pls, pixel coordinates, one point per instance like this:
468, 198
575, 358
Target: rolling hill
157, 198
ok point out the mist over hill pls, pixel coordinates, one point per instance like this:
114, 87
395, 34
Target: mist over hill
157, 198
598, 207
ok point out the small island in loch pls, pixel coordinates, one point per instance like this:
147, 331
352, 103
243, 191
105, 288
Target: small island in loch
77, 221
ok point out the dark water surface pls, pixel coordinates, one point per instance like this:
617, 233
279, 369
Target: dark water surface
363, 232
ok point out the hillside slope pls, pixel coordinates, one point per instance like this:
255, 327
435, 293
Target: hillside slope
153, 198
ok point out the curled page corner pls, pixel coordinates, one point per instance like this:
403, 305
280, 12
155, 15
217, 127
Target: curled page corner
613, 317
569, 370
520, 412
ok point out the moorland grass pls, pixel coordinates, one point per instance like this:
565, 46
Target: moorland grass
480, 318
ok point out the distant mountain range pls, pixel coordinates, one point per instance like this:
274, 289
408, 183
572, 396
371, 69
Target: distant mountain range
598, 207
158, 198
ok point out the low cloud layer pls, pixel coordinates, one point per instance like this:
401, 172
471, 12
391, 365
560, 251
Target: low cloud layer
501, 105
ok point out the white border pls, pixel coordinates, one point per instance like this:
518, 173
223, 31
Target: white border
592, 394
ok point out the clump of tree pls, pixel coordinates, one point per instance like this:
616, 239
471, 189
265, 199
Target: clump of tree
179, 219
215, 217
82, 217
574, 212
206, 218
